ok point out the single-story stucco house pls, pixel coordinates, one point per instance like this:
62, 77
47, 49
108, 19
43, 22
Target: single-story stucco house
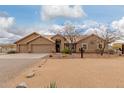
36, 43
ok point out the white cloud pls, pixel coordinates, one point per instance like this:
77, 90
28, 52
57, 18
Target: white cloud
91, 23
27, 30
9, 33
56, 28
81, 26
92, 31
101, 31
40, 30
4, 40
6, 21
119, 24
49, 12
5, 34
13, 34
8, 37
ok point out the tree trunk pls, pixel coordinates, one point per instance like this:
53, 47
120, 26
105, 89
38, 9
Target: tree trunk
71, 49
102, 51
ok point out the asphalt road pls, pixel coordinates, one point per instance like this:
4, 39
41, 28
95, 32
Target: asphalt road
12, 64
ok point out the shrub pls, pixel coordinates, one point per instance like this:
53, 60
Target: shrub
52, 85
11, 52
98, 51
66, 50
111, 51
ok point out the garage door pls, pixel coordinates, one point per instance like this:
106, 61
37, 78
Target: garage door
23, 49
41, 48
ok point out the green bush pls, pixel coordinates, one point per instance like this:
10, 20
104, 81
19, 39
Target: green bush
52, 85
11, 52
66, 50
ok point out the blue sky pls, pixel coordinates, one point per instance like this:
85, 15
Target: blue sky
19, 20
24, 15
105, 14
30, 15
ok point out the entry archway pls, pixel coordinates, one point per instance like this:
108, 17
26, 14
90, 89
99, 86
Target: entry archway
58, 45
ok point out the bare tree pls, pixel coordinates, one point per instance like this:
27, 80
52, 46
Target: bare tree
70, 32
108, 36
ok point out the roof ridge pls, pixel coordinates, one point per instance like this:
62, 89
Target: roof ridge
38, 37
26, 36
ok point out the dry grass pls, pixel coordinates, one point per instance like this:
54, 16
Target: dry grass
87, 72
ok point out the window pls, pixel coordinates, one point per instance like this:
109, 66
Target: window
100, 46
84, 45
67, 45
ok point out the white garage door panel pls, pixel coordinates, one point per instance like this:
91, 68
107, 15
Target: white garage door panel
41, 48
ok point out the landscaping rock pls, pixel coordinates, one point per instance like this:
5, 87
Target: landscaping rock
50, 55
30, 75
39, 66
22, 85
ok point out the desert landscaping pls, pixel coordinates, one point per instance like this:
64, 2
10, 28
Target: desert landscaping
61, 46
74, 73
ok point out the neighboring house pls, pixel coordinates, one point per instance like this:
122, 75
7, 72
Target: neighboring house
118, 44
4, 48
35, 43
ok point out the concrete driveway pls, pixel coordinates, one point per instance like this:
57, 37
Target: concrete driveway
12, 64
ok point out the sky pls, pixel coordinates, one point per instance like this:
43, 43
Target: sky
16, 21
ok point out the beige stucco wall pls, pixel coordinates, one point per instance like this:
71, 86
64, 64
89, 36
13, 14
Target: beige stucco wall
30, 37
41, 45
23, 48
45, 45
62, 41
92, 43
41, 40
22, 43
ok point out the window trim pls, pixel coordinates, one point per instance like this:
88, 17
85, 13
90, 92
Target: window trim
98, 45
85, 44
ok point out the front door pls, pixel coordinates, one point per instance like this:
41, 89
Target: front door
58, 44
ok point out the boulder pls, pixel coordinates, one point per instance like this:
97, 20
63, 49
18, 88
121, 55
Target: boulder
39, 66
22, 85
30, 75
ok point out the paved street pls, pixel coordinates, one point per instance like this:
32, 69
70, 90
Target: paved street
12, 64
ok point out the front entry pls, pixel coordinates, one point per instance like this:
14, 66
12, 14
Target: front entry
58, 44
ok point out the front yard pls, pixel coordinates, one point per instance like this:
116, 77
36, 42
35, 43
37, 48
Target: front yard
87, 72
78, 55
